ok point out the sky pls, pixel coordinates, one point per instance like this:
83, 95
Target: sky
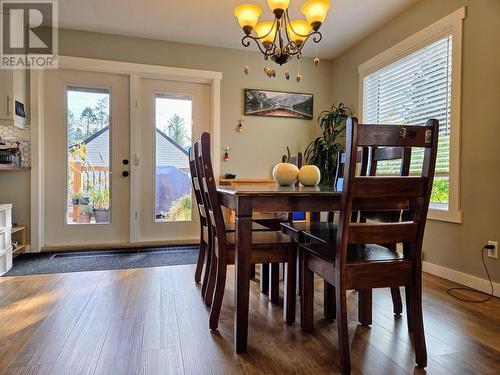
78, 100
167, 107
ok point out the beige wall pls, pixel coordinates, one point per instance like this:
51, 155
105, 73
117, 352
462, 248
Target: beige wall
254, 151
15, 189
453, 245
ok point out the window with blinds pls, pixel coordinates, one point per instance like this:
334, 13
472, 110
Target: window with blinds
412, 90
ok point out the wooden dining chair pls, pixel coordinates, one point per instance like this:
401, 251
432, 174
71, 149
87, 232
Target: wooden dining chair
205, 239
378, 155
354, 260
367, 160
204, 256
267, 246
296, 230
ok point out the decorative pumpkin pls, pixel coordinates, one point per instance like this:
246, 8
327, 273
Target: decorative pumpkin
285, 174
309, 175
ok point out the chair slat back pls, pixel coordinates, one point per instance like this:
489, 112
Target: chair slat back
381, 193
362, 233
394, 135
382, 154
296, 159
196, 187
362, 160
390, 153
361, 157
209, 189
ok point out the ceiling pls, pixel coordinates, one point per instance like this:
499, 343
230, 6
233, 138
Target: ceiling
211, 22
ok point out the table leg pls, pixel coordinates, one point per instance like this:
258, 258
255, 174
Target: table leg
242, 272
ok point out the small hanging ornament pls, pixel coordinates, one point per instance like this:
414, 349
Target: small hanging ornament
246, 68
226, 153
287, 74
316, 59
270, 72
239, 127
299, 76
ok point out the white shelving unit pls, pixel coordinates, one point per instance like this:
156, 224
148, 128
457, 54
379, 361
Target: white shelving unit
5, 238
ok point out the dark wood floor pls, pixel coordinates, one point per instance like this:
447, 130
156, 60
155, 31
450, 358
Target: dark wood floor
152, 321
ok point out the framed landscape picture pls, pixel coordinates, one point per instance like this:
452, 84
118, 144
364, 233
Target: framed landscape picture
278, 104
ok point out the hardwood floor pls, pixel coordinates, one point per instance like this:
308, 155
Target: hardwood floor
153, 321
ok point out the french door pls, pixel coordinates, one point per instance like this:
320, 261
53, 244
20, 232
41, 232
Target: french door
86, 141
89, 169
172, 114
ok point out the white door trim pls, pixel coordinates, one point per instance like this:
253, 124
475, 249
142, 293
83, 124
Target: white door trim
135, 72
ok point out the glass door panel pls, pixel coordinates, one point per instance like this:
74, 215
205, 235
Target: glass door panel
173, 118
89, 167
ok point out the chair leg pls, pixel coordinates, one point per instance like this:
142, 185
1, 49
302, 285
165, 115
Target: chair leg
409, 318
307, 296
212, 275
365, 307
264, 278
345, 357
274, 287
206, 270
299, 273
200, 262
418, 323
290, 286
396, 300
220, 286
329, 301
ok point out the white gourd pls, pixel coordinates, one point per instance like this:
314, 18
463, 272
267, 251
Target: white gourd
285, 174
309, 175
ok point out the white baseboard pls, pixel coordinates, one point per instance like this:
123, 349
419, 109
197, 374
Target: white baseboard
461, 278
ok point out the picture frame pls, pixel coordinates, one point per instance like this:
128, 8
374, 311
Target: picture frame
270, 103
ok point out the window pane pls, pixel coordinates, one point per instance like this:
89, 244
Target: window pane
410, 91
173, 139
88, 200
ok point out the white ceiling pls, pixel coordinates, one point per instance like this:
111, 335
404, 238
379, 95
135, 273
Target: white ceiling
211, 22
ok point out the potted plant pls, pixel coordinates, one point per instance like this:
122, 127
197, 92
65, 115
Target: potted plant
322, 152
85, 214
83, 197
75, 201
100, 200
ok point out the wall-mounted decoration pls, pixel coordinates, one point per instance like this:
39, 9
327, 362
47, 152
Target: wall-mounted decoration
278, 104
239, 127
226, 153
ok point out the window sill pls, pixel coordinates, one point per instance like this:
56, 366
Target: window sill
444, 215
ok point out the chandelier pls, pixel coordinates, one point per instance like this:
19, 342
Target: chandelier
283, 38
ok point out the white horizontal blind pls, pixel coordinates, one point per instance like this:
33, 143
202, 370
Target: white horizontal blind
410, 91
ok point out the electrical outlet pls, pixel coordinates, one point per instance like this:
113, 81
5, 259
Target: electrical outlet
493, 253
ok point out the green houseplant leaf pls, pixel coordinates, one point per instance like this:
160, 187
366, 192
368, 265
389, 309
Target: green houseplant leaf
322, 151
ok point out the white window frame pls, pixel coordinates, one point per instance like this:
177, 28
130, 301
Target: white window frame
449, 25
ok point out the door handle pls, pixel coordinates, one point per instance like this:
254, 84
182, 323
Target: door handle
125, 161
125, 173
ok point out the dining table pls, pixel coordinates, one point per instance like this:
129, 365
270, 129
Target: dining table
247, 199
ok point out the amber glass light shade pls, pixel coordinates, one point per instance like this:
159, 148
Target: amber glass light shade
248, 15
298, 30
315, 12
263, 29
278, 4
